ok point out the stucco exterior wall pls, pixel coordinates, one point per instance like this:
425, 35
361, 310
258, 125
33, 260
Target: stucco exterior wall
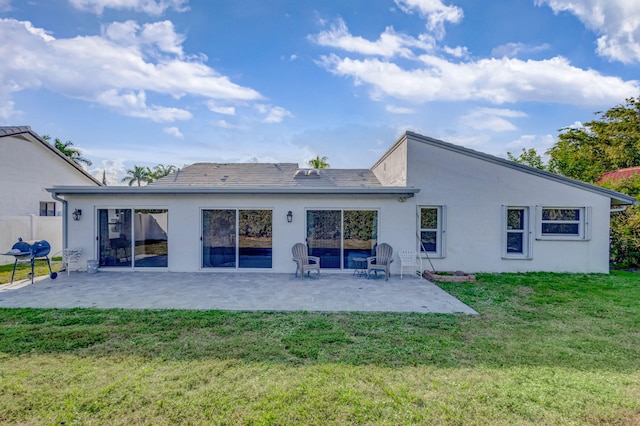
185, 223
474, 191
27, 169
391, 169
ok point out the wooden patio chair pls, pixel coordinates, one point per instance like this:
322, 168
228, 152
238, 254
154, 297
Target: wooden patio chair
304, 262
381, 261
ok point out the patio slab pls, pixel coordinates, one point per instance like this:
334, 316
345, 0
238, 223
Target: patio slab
232, 292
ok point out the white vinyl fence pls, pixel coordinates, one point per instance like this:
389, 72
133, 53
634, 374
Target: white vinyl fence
30, 227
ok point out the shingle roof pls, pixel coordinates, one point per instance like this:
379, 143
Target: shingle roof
266, 175
616, 175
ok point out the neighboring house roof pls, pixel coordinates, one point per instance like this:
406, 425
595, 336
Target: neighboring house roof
616, 197
26, 133
267, 175
616, 175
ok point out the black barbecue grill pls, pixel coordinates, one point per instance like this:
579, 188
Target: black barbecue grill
29, 251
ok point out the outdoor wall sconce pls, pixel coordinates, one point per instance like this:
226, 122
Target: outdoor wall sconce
76, 214
289, 217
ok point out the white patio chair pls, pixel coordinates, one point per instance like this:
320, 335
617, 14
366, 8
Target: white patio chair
69, 256
409, 260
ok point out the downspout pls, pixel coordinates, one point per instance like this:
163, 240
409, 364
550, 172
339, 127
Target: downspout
65, 218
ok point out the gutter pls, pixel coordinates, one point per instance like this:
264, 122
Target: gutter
65, 218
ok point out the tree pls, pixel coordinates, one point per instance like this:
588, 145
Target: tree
138, 175
319, 162
161, 171
528, 157
66, 148
625, 225
609, 143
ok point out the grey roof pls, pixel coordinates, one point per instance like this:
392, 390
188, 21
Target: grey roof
266, 175
616, 197
25, 132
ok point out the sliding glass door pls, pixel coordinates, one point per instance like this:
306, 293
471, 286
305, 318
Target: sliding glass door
234, 238
133, 238
342, 238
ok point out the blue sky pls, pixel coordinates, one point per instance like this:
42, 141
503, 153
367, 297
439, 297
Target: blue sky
181, 81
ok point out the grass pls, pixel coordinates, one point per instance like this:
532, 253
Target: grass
24, 269
545, 349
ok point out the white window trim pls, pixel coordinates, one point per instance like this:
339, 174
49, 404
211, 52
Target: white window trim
441, 232
527, 234
584, 225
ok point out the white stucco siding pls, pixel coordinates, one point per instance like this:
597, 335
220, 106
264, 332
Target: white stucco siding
474, 191
27, 169
391, 170
185, 222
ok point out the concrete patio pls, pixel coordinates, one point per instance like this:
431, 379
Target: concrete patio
231, 291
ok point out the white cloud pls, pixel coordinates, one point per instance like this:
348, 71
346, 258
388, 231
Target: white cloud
514, 49
541, 143
226, 110
493, 80
399, 110
389, 44
173, 131
116, 69
616, 21
152, 7
273, 114
224, 124
456, 52
434, 11
493, 119
113, 171
135, 105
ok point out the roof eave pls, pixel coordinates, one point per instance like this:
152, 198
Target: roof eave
402, 192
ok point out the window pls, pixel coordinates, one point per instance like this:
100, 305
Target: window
432, 230
237, 238
516, 233
563, 223
47, 208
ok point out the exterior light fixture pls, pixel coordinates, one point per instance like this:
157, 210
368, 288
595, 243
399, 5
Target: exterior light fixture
76, 214
289, 217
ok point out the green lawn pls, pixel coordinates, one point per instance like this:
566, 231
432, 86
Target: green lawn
545, 349
24, 269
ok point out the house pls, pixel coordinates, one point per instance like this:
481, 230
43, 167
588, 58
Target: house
30, 164
459, 208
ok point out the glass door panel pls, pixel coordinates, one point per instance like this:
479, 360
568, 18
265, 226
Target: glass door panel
360, 236
324, 236
219, 238
150, 228
114, 237
254, 238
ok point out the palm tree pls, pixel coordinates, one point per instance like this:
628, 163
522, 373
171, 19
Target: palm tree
319, 162
138, 174
161, 170
66, 149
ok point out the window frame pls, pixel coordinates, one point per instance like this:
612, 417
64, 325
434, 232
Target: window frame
46, 210
527, 246
440, 231
584, 231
